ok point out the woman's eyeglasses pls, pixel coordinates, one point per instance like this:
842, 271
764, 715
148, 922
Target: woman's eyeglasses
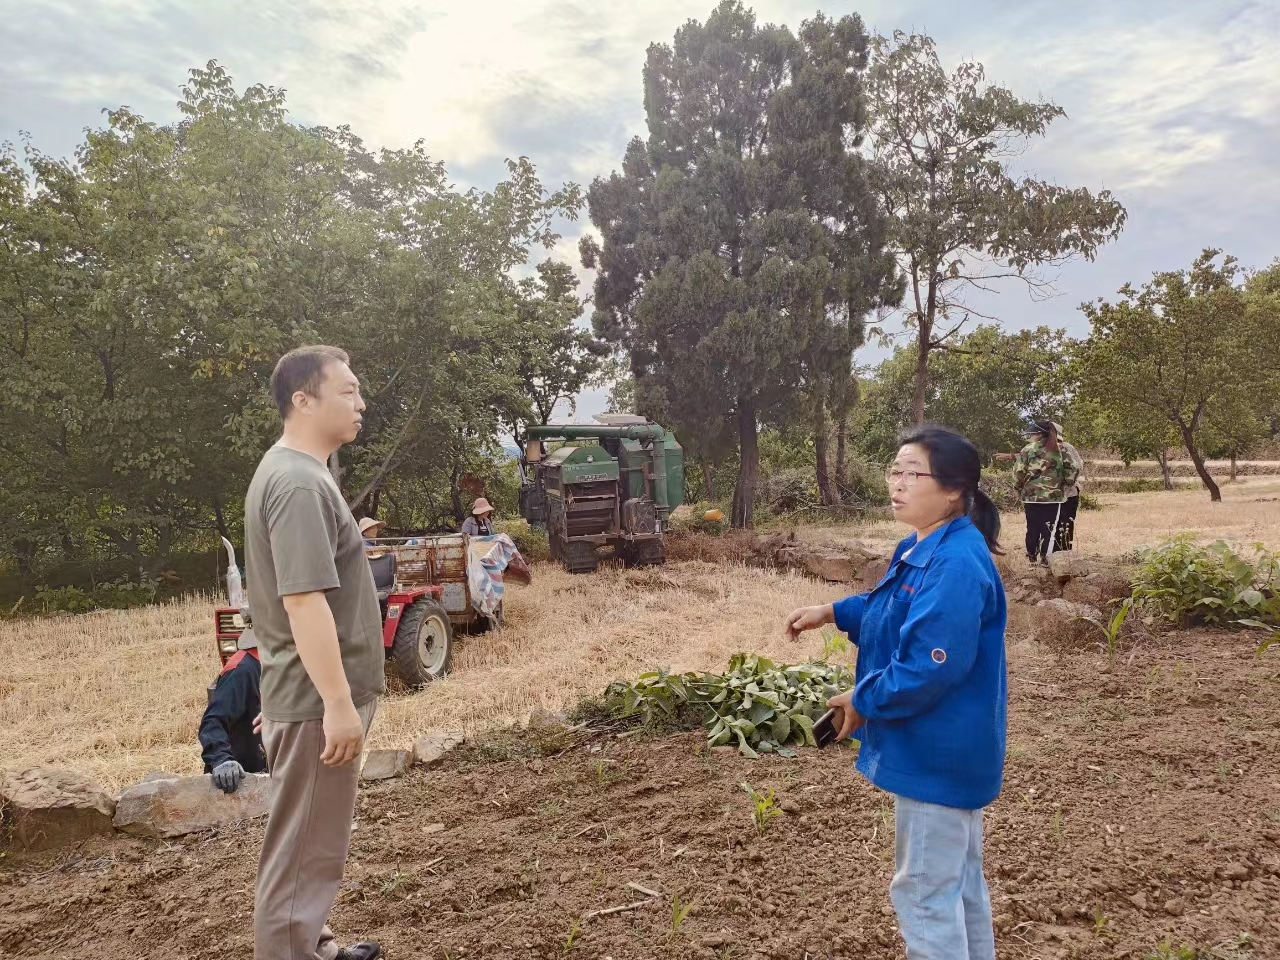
893, 476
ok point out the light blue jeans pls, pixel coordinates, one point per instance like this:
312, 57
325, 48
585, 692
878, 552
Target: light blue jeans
939, 891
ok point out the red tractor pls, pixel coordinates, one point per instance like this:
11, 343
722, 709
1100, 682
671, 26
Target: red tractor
416, 629
425, 593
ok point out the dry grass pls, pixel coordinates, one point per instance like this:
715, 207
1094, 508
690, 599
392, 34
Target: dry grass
118, 695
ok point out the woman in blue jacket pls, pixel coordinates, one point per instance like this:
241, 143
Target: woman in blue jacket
929, 697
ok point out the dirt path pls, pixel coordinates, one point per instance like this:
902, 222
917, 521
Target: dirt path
1140, 803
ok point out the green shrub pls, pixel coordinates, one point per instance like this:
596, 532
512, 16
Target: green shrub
117, 595
695, 519
1189, 583
998, 485
530, 541
787, 491
763, 706
1089, 502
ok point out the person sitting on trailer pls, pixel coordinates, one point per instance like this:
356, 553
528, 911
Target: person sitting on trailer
479, 523
229, 745
371, 529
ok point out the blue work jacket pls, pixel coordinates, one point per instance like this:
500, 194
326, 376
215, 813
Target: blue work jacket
931, 685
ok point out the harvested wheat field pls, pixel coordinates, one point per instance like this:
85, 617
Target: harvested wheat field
119, 694
1140, 805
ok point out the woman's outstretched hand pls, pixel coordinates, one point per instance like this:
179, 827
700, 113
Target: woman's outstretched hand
808, 618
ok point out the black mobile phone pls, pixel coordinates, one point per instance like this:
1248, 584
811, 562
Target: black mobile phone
824, 731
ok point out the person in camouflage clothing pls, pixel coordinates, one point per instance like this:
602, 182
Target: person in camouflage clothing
1042, 474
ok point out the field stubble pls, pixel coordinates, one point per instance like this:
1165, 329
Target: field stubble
119, 694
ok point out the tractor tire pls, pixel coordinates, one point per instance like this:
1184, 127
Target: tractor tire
648, 553
423, 645
579, 556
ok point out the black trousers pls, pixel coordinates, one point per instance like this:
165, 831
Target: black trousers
1065, 538
1040, 523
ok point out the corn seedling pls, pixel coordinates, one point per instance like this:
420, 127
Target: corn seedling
834, 643
679, 912
574, 932
1111, 629
764, 807
1102, 925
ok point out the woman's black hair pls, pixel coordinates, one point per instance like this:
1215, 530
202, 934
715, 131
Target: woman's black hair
955, 465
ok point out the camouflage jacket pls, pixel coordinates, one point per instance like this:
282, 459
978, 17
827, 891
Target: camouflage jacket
1077, 461
1043, 476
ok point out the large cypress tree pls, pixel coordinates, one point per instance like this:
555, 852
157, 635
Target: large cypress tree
741, 246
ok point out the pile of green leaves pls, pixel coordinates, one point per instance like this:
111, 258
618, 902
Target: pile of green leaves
1192, 584
761, 706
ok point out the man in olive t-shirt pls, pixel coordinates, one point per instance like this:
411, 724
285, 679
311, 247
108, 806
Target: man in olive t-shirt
296, 516
315, 614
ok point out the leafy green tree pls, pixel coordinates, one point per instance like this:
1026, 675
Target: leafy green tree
740, 243
1184, 349
148, 287
986, 384
555, 359
943, 145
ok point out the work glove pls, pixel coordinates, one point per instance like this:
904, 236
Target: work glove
227, 776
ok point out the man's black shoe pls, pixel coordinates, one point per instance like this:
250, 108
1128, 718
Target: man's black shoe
364, 950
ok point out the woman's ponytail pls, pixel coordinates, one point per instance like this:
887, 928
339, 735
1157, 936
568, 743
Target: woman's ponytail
986, 517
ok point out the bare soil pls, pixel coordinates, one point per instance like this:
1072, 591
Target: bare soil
1142, 802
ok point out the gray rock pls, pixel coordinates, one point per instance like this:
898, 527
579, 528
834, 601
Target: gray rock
434, 745
181, 805
385, 764
44, 807
1068, 565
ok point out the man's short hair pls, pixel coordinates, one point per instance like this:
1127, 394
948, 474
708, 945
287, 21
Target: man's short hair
302, 369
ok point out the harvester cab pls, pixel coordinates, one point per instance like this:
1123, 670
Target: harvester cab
617, 491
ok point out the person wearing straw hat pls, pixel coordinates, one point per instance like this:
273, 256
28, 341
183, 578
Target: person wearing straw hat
479, 524
1042, 475
371, 528
1066, 535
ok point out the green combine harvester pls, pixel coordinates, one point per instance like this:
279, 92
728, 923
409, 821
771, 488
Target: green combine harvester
617, 491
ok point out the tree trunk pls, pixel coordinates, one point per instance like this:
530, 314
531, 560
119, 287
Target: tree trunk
455, 497
1163, 457
220, 521
374, 504
1233, 464
1188, 438
744, 494
822, 468
706, 478
924, 343
922, 376
842, 469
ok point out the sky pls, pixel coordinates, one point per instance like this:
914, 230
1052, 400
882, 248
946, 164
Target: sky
1170, 105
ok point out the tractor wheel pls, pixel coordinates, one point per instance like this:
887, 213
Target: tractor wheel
423, 643
649, 553
579, 556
